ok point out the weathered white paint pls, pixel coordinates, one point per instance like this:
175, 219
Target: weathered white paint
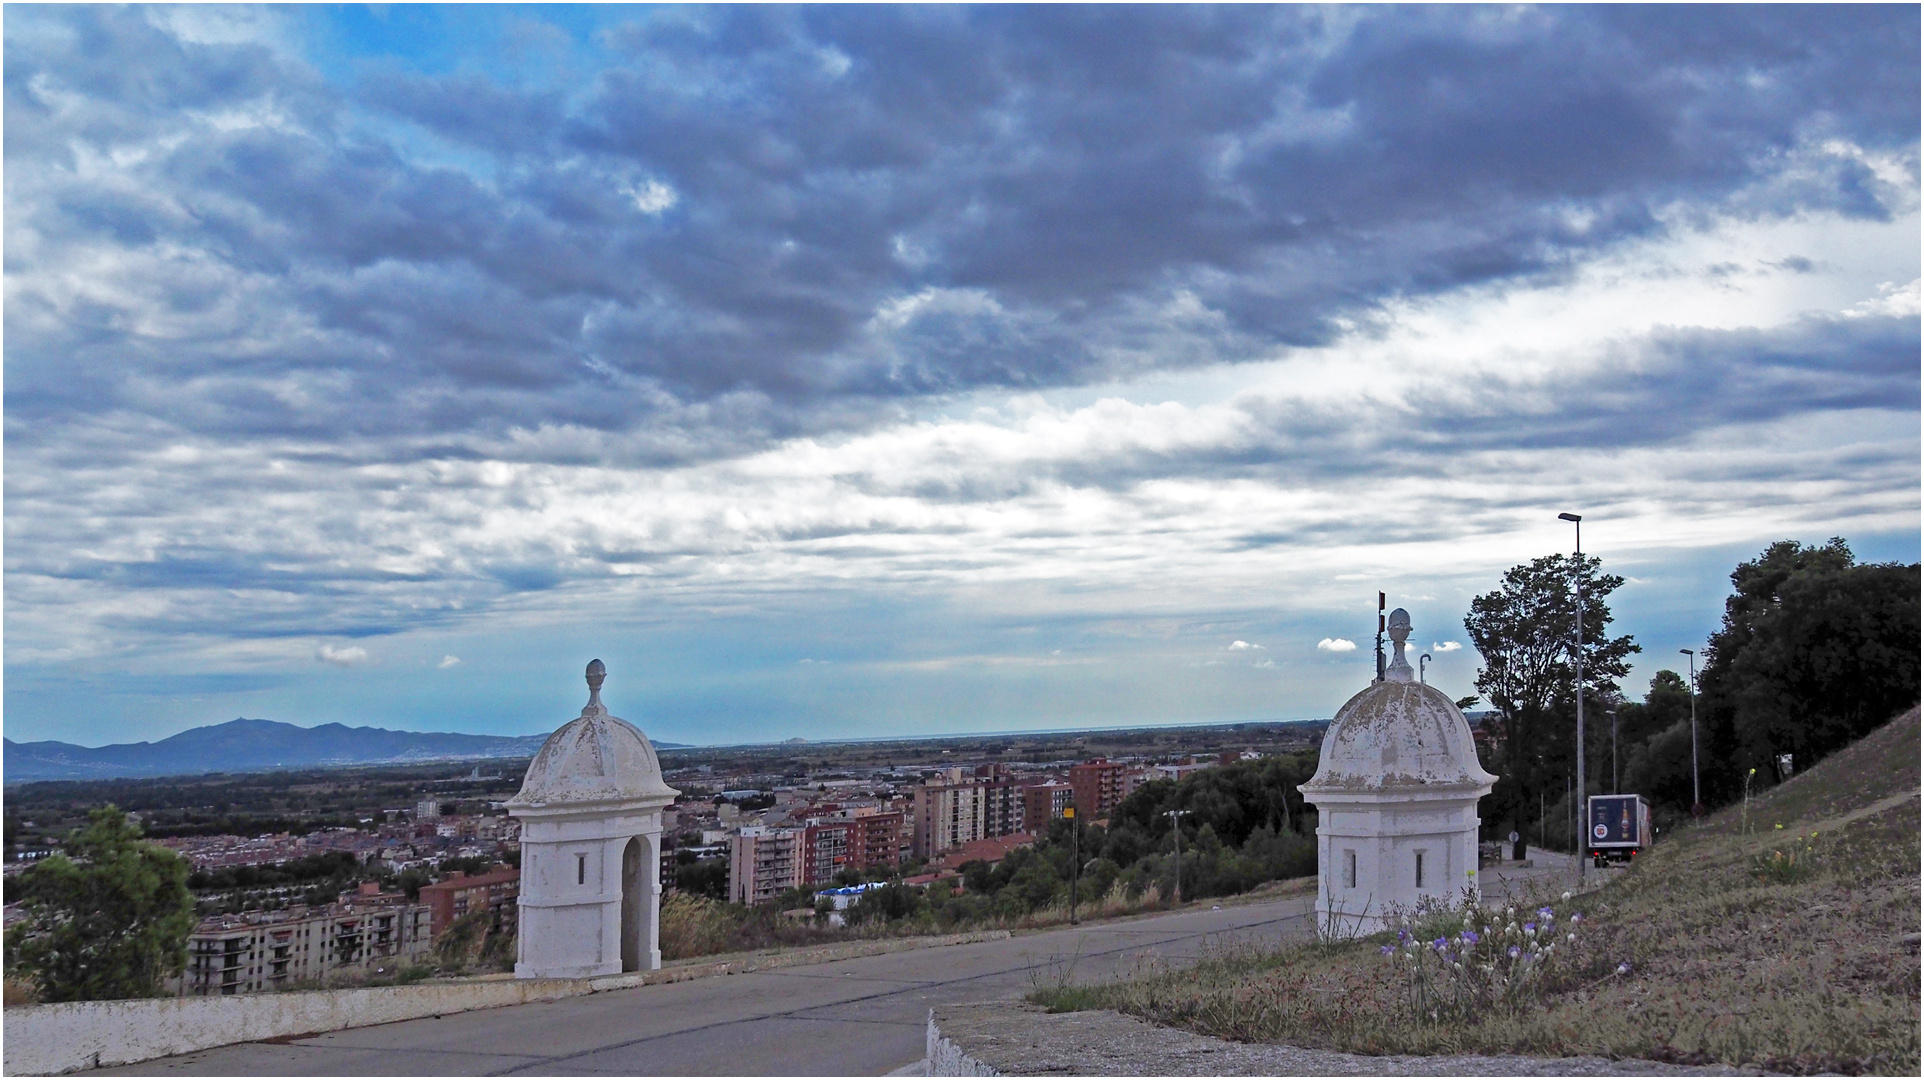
1398, 782
944, 1058
589, 905
46, 1039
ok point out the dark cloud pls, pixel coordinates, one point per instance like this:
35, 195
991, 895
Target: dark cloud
1049, 177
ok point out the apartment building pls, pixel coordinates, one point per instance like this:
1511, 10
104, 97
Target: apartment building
269, 950
957, 807
1043, 803
497, 891
856, 839
762, 861
1098, 786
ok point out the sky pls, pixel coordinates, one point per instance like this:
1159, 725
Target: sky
878, 371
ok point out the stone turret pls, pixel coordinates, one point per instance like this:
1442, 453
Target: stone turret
1395, 790
590, 810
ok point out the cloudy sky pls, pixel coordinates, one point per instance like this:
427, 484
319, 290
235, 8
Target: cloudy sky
864, 371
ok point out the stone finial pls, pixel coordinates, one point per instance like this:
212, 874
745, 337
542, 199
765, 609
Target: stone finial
597, 671
1399, 669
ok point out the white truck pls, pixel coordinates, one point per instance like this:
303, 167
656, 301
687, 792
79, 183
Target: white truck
1619, 828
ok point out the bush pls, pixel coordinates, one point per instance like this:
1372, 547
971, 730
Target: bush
110, 922
693, 925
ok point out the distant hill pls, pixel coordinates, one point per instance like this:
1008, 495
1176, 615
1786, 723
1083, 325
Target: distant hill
254, 745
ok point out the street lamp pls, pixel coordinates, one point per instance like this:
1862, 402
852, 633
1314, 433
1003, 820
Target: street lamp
1175, 824
1577, 520
1075, 859
1422, 665
1696, 794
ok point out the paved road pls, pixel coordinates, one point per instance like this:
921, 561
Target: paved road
864, 1016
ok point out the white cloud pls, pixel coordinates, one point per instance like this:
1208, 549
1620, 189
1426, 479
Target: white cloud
1264, 664
1241, 646
1894, 300
1336, 645
346, 657
1444, 646
448, 661
654, 197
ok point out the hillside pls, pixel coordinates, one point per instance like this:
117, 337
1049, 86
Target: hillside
1782, 935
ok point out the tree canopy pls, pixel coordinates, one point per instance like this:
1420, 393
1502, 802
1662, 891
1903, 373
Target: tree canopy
108, 919
1814, 652
1525, 630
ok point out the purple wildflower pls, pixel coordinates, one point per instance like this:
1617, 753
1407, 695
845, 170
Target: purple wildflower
1546, 913
1515, 952
1529, 928
1438, 944
1470, 938
1388, 949
1623, 968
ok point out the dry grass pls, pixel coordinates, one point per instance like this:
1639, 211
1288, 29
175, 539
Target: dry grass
20, 991
1733, 957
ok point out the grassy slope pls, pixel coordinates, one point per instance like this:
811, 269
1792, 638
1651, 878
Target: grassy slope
1748, 945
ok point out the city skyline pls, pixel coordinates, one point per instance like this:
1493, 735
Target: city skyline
870, 372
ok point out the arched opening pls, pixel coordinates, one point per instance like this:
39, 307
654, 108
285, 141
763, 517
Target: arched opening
634, 894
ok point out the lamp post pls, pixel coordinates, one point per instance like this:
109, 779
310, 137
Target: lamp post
1577, 520
1614, 790
1175, 825
1696, 794
1075, 859
1422, 666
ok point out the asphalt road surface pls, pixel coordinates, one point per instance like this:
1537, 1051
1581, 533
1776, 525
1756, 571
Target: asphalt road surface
865, 1016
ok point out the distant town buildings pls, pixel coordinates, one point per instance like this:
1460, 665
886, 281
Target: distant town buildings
273, 950
459, 895
762, 862
1045, 802
1098, 786
959, 807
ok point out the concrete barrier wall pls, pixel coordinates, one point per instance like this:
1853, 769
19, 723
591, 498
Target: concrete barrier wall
46, 1039
945, 1058
42, 1040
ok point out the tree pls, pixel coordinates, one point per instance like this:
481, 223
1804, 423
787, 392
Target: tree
1815, 651
1525, 630
109, 919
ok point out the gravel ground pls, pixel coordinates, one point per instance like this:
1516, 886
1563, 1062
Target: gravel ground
1018, 1039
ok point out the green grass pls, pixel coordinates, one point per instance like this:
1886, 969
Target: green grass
1770, 947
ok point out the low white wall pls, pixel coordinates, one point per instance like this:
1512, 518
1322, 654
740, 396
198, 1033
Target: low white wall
945, 1058
46, 1039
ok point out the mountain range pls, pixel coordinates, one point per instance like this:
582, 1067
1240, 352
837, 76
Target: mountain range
245, 745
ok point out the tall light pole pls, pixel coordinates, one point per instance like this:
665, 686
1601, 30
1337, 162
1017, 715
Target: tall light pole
1422, 666
1696, 794
1613, 753
1175, 825
1577, 520
1075, 859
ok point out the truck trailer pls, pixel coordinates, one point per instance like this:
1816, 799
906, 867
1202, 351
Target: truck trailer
1619, 828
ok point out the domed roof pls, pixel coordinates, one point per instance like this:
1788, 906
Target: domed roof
1398, 734
593, 758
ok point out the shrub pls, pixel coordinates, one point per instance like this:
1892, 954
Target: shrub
693, 925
